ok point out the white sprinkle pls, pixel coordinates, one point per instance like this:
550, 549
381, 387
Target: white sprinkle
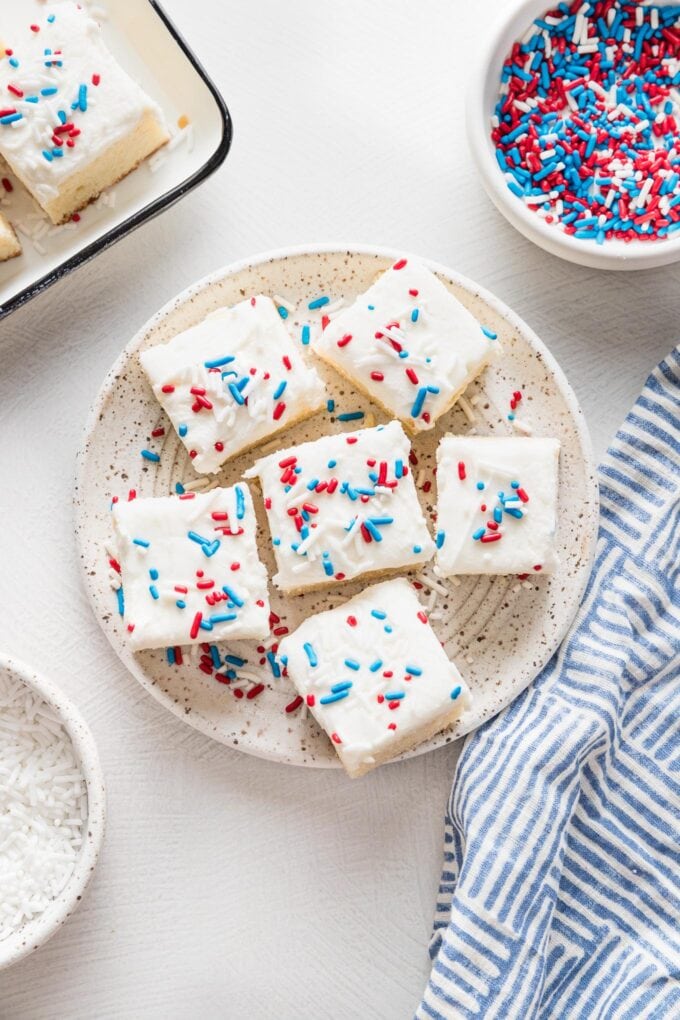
43, 804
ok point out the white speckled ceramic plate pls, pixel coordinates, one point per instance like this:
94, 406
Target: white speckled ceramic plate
499, 630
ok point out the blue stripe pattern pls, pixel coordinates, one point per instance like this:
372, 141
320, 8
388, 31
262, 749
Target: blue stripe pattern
560, 892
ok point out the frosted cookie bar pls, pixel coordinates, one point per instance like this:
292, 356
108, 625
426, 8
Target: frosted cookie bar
232, 381
343, 506
190, 569
409, 344
374, 675
497, 502
9, 242
73, 122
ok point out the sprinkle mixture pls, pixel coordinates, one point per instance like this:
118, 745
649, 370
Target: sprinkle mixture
43, 806
586, 128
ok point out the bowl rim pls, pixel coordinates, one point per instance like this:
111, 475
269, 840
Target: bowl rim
36, 932
612, 255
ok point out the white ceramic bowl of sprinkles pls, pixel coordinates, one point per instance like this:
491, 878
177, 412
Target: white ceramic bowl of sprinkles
513, 26
52, 810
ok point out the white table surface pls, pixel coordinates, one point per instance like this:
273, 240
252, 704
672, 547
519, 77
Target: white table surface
228, 886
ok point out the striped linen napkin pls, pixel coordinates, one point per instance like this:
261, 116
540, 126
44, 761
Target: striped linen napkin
560, 894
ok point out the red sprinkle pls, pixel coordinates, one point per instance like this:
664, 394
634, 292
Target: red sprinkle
400, 264
344, 340
254, 691
461, 470
335, 738
278, 410
193, 633
377, 376
294, 705
167, 389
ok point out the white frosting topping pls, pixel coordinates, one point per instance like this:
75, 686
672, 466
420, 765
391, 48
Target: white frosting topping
408, 343
190, 568
490, 487
232, 381
354, 662
343, 506
62, 119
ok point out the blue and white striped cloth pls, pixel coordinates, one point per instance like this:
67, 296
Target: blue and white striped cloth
560, 894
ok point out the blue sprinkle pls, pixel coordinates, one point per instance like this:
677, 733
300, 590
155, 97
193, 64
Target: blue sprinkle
48, 155
395, 695
13, 62
417, 549
332, 464
344, 685
275, 668
170, 656
232, 596
240, 503
183, 429
278, 392
50, 92
141, 541
478, 533
150, 455
414, 670
351, 416
215, 655
318, 303
379, 614
419, 402
352, 664
330, 698
276, 541
218, 362
220, 618
489, 333
82, 98
11, 118
235, 660
328, 568
514, 485
440, 539
330, 406
121, 601
154, 591
511, 416
311, 654
181, 604
375, 666
480, 485
414, 315
179, 489
305, 335
153, 574
283, 312
455, 692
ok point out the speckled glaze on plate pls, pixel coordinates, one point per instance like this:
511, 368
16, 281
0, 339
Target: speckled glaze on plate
34, 933
500, 631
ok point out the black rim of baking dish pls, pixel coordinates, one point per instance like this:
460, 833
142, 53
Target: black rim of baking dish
159, 204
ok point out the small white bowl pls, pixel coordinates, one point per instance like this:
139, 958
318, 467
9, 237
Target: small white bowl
33, 934
481, 101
